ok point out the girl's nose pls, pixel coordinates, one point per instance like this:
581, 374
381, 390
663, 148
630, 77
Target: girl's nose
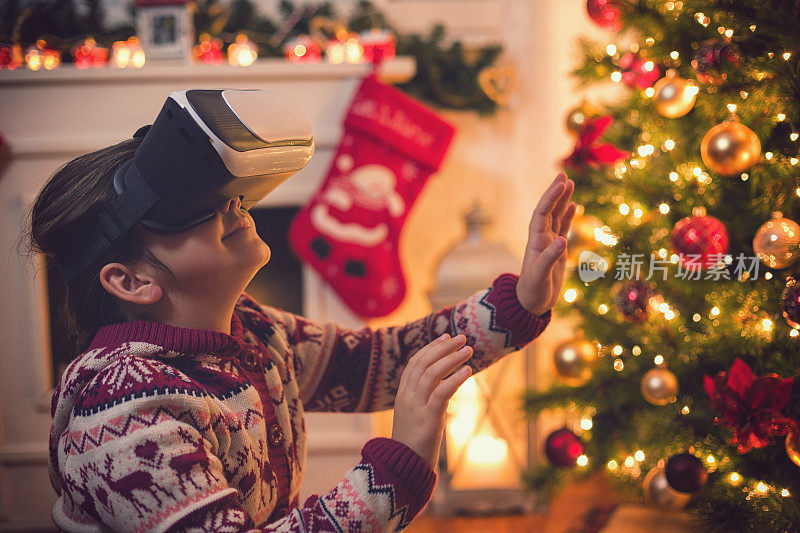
232, 204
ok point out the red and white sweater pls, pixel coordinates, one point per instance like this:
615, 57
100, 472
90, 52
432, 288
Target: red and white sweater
158, 428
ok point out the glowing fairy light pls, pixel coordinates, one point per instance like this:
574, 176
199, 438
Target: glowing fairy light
617, 350
659, 359
663, 209
696, 317
586, 424
768, 275
618, 365
639, 455
669, 144
612, 465
787, 55
735, 478
794, 136
711, 459
636, 350
649, 92
616, 76
624, 209
582, 460
768, 155
630, 461
611, 49
762, 488
685, 410
781, 117
794, 333
570, 295
674, 54
673, 176
732, 108
602, 309
637, 213
785, 493
714, 311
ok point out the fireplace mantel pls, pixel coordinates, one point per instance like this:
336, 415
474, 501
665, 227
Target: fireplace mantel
51, 117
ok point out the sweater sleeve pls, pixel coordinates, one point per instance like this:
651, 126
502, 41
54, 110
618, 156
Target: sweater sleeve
383, 493
345, 370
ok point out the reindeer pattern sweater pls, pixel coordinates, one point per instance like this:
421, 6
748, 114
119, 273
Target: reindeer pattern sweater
159, 428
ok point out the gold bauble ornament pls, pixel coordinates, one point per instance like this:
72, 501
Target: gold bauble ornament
658, 492
659, 386
793, 446
583, 234
575, 360
730, 148
577, 117
777, 242
674, 96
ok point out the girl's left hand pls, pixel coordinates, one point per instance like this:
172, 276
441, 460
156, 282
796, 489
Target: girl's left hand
543, 266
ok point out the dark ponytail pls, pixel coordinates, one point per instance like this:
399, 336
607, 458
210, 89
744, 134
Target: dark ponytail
72, 195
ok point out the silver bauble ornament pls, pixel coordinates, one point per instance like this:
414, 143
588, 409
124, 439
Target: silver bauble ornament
674, 96
575, 360
659, 386
777, 242
658, 492
730, 148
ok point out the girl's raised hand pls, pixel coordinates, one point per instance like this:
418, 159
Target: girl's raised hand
423, 394
545, 259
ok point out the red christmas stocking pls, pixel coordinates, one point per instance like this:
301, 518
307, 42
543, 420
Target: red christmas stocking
350, 230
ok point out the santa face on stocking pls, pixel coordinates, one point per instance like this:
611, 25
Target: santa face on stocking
349, 231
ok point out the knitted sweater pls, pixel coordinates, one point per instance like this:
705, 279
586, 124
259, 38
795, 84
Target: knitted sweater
159, 428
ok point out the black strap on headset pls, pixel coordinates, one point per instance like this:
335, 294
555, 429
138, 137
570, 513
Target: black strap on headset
112, 222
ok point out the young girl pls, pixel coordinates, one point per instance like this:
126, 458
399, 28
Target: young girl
184, 410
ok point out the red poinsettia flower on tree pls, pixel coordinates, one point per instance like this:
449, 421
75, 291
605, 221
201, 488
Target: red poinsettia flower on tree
750, 405
588, 151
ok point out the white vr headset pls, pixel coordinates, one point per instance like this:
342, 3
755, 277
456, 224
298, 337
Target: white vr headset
204, 146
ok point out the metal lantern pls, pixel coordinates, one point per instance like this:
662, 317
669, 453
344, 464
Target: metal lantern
487, 440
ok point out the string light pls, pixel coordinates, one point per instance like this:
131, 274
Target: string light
728, 33
630, 461
768, 156
768, 275
618, 365
781, 117
711, 460
696, 317
586, 424
674, 54
649, 92
636, 350
673, 176
793, 136
617, 350
785, 493
685, 410
602, 309
793, 161
735, 478
714, 311
732, 108
762, 487
612, 465
624, 209
794, 333
658, 360
745, 176
637, 213
639, 455
669, 144
787, 55
616, 76
611, 49
570, 295
582, 460
663, 209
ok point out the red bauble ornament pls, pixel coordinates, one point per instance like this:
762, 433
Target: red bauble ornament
631, 299
713, 58
699, 240
639, 72
605, 13
750, 405
790, 302
563, 448
685, 473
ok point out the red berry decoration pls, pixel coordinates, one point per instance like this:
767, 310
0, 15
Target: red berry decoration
713, 58
563, 448
631, 300
790, 302
638, 72
685, 473
699, 239
605, 13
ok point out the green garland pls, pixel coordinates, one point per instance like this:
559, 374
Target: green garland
446, 76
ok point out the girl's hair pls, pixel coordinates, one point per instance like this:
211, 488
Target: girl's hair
71, 196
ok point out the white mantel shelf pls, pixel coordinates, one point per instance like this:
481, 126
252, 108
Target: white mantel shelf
395, 70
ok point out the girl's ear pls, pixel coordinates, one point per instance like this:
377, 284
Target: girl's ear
129, 284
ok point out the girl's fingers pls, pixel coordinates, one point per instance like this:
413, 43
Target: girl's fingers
566, 220
445, 390
561, 205
441, 368
540, 220
543, 265
429, 354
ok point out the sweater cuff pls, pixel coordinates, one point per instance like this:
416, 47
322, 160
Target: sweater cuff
510, 316
411, 476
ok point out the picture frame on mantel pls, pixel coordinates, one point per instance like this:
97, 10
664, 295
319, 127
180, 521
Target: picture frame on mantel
165, 29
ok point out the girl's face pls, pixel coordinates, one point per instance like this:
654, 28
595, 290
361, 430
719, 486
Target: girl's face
216, 259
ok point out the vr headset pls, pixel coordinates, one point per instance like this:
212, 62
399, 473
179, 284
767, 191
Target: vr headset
204, 146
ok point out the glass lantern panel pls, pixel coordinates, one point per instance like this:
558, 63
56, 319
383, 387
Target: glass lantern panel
486, 433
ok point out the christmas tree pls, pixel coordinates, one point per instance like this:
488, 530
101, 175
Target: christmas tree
682, 381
